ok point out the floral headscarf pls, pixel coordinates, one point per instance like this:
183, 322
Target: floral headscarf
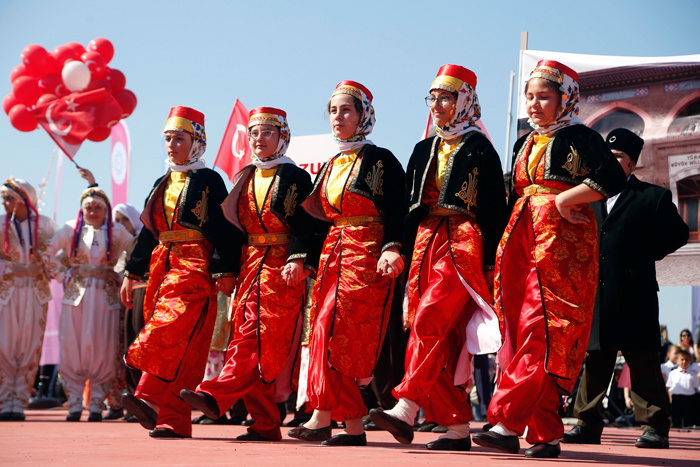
455, 78
24, 193
367, 119
191, 121
567, 80
274, 117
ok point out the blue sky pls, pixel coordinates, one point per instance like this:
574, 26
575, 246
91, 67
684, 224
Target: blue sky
291, 54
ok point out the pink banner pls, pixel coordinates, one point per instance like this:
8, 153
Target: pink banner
120, 157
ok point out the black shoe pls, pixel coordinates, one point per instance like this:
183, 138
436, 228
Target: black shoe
580, 435
164, 433
202, 401
544, 451
487, 427
344, 439
238, 420
426, 426
247, 422
18, 416
253, 436
400, 430
370, 426
5, 417
309, 434
296, 421
651, 439
147, 417
223, 420
446, 444
114, 414
493, 440
439, 429
73, 417
130, 418
95, 417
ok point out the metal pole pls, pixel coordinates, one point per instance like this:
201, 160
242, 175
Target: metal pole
509, 120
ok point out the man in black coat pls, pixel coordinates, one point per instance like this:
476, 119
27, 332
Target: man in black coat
639, 226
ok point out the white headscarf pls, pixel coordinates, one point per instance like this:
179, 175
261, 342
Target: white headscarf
131, 213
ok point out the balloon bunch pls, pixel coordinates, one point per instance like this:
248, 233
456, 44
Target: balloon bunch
43, 77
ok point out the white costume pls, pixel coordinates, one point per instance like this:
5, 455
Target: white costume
24, 297
90, 312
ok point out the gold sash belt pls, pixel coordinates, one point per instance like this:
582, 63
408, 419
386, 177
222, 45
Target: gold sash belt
436, 210
269, 239
187, 235
355, 220
539, 189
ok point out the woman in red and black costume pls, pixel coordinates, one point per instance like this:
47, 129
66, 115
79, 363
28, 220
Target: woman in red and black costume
547, 263
188, 244
360, 192
457, 213
265, 203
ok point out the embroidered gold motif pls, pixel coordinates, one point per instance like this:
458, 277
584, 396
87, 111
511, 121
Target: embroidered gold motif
374, 179
290, 201
201, 210
574, 164
468, 191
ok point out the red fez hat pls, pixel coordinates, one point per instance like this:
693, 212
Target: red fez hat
455, 71
346, 87
265, 116
558, 66
188, 113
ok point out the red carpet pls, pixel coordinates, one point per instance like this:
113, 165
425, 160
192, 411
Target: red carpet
45, 438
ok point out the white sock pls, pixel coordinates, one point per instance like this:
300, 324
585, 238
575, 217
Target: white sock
405, 410
457, 431
502, 430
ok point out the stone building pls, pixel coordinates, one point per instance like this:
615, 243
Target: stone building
661, 103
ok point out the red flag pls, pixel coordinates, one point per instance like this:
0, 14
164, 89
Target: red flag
69, 120
234, 152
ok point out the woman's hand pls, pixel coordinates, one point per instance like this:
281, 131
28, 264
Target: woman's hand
125, 292
87, 175
225, 285
390, 263
294, 272
570, 202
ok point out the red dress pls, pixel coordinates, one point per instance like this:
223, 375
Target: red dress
179, 311
351, 304
545, 286
448, 299
266, 321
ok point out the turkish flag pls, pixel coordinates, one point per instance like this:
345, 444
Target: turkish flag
234, 152
70, 119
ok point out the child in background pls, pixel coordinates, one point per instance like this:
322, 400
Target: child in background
683, 386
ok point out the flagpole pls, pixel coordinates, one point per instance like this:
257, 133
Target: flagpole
509, 120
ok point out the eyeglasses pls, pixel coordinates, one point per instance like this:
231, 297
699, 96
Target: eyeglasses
265, 134
442, 101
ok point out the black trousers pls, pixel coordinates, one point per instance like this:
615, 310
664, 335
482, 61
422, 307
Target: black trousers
684, 410
651, 406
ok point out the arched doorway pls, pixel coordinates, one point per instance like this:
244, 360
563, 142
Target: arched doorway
619, 118
689, 203
687, 122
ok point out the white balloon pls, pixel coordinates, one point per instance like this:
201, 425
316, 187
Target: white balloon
75, 75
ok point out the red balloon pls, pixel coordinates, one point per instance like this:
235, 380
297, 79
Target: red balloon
36, 59
127, 101
95, 63
117, 79
8, 102
50, 83
46, 98
103, 47
63, 54
21, 118
19, 70
26, 89
79, 49
99, 83
99, 134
